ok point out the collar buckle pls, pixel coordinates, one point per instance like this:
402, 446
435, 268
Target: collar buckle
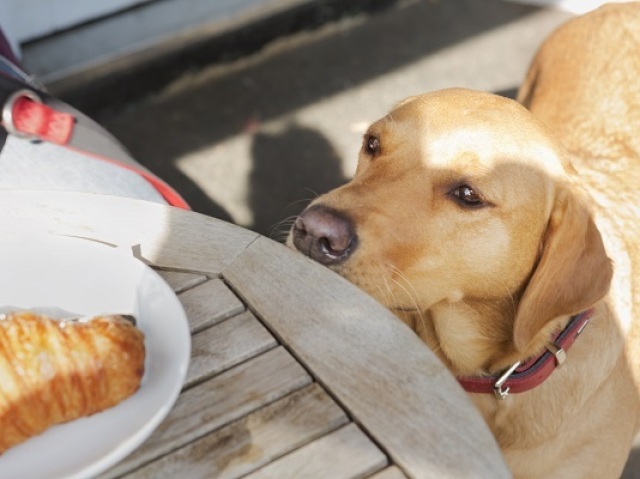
500, 393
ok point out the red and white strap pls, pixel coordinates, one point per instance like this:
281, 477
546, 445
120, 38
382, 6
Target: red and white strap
24, 114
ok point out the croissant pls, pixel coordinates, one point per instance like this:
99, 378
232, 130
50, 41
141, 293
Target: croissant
54, 371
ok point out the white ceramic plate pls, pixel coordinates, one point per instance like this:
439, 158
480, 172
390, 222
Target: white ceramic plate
89, 278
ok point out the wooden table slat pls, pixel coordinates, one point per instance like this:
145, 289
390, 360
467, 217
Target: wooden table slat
392, 472
208, 304
180, 281
217, 402
226, 344
254, 440
344, 454
350, 334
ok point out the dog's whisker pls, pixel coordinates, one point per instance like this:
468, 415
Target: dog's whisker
402, 276
316, 194
305, 201
390, 298
411, 293
299, 201
288, 220
418, 310
383, 294
280, 230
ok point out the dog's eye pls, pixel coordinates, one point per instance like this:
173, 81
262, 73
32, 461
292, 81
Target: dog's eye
467, 196
372, 144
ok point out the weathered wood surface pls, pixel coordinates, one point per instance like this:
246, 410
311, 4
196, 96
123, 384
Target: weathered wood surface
374, 365
208, 304
344, 454
253, 440
225, 345
180, 281
217, 402
389, 473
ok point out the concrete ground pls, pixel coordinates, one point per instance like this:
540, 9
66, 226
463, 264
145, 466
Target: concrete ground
252, 140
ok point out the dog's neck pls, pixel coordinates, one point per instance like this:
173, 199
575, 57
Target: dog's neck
473, 337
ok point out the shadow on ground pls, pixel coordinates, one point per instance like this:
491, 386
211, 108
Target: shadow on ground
291, 187
166, 127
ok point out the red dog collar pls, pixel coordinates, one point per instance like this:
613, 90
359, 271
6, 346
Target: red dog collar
522, 377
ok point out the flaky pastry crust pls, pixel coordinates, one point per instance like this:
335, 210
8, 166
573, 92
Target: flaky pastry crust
55, 371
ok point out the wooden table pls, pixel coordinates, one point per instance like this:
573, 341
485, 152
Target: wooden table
295, 373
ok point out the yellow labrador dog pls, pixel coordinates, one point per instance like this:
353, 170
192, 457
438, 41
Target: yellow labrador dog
510, 243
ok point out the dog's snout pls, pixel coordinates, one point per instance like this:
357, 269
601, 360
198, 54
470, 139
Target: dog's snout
324, 234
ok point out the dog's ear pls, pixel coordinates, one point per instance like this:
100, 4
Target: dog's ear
572, 274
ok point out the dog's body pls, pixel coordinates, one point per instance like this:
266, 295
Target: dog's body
584, 84
467, 219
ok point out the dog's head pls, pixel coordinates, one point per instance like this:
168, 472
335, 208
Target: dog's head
462, 202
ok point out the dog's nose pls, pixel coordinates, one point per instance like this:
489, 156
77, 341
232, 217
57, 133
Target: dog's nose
324, 234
